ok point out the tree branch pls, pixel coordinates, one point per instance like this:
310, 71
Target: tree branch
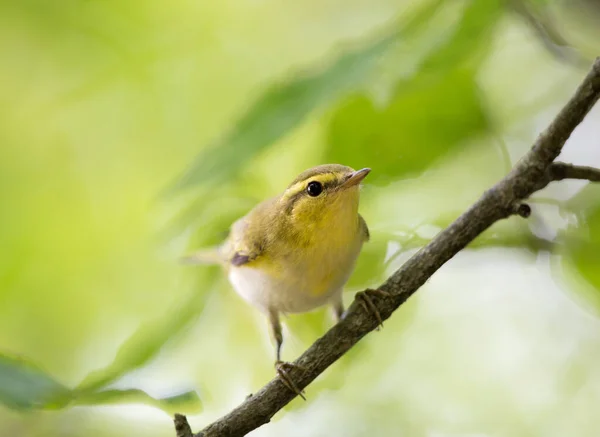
504, 199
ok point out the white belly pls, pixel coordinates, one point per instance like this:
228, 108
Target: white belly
287, 296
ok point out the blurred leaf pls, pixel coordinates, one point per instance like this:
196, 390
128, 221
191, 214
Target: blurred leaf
471, 39
582, 245
370, 266
386, 246
308, 327
24, 386
428, 115
147, 341
422, 123
187, 402
537, 15
585, 201
209, 221
283, 106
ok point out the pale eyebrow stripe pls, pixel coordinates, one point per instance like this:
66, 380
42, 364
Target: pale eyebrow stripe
322, 169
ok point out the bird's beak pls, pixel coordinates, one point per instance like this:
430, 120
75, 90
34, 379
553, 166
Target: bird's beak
356, 177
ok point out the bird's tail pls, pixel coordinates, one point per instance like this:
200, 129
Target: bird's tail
205, 256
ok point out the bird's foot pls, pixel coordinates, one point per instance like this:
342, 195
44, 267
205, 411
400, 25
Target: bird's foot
365, 299
282, 368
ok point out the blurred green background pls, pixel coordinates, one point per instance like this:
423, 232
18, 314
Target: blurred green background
134, 131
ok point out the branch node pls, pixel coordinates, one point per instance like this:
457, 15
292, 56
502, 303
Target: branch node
522, 210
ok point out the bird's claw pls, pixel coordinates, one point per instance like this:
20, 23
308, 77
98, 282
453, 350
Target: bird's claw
365, 301
282, 367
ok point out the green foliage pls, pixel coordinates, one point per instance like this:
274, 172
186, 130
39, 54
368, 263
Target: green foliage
282, 107
428, 115
580, 247
478, 18
187, 402
426, 119
148, 340
278, 111
24, 386
584, 253
370, 265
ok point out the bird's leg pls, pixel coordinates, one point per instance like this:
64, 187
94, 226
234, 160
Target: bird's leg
337, 306
276, 332
282, 367
365, 299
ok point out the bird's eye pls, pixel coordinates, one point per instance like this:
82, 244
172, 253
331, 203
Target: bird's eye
314, 188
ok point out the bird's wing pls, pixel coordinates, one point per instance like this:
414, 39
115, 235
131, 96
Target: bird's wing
364, 228
247, 239
246, 242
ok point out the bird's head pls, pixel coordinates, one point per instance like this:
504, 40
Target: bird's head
325, 196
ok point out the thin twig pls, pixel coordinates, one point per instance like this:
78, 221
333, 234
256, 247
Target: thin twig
182, 427
501, 201
544, 28
559, 171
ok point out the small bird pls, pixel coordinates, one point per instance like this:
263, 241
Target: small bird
295, 252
